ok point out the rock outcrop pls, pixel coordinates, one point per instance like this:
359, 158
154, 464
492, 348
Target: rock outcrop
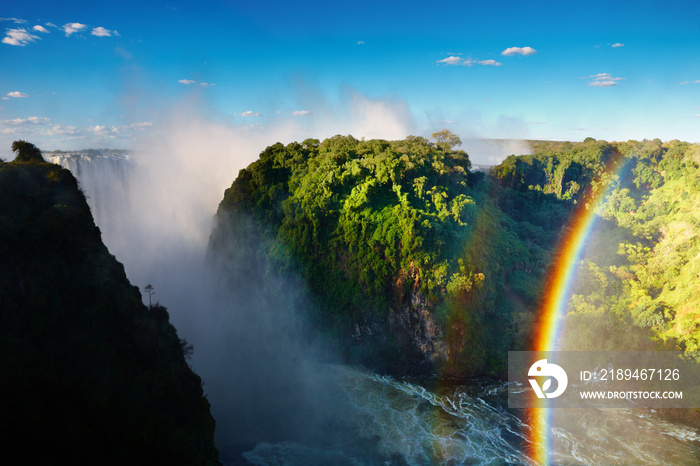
88, 373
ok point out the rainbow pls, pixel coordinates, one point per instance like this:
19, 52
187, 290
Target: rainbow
561, 277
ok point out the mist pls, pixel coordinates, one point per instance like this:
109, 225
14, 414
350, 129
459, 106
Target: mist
264, 373
494, 151
266, 376
159, 227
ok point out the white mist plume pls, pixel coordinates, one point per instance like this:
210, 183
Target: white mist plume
182, 170
250, 343
494, 151
353, 113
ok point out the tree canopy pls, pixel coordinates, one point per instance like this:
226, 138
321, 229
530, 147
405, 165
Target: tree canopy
375, 226
26, 152
446, 139
637, 283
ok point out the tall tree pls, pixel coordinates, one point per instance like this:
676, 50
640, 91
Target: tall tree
446, 140
151, 291
26, 152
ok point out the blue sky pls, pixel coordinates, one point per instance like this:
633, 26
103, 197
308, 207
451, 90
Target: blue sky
79, 74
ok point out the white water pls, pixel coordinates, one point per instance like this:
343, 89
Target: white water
104, 178
469, 424
298, 412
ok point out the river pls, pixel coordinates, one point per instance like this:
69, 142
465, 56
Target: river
379, 420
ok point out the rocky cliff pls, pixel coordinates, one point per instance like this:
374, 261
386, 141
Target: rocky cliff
89, 374
372, 230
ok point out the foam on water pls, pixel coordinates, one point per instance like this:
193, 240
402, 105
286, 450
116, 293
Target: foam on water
424, 427
410, 424
407, 423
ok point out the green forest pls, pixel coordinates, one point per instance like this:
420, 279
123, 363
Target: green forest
637, 285
414, 262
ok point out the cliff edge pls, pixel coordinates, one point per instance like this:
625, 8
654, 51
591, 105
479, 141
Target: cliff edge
89, 374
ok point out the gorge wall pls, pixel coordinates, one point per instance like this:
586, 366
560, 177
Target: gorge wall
90, 374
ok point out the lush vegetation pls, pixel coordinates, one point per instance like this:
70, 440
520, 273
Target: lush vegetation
26, 152
637, 287
89, 374
652, 280
378, 229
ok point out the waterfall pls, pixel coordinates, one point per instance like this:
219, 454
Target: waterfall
103, 176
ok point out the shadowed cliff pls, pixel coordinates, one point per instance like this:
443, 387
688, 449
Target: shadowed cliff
89, 374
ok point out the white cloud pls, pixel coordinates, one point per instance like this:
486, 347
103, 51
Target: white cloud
301, 112
191, 81
684, 82
360, 42
14, 20
61, 130
17, 94
603, 80
101, 32
41, 29
455, 60
250, 113
603, 83
103, 132
19, 37
617, 44
450, 60
71, 28
510, 51
37, 120
26, 121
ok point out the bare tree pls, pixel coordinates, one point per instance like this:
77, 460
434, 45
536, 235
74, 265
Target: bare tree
149, 289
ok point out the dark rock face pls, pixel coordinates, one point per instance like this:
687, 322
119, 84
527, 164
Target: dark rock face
89, 374
415, 319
